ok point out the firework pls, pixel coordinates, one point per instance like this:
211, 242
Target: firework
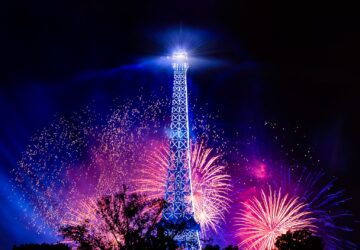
326, 202
106, 219
210, 182
261, 221
80, 157
87, 155
280, 163
85, 213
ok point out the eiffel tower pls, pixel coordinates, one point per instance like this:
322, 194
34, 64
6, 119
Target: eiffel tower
179, 208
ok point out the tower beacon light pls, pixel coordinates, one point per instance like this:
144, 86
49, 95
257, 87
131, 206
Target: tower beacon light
179, 57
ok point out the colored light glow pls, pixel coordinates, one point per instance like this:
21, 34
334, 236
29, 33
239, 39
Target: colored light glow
260, 171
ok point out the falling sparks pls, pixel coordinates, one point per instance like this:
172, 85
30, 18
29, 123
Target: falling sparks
83, 156
78, 158
75, 160
262, 220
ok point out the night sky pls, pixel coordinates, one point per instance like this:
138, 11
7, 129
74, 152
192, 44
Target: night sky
294, 64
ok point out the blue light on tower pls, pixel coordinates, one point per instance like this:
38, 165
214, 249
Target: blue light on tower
178, 196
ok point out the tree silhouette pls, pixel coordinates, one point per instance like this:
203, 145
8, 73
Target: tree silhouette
216, 247
42, 247
231, 247
131, 221
211, 247
299, 240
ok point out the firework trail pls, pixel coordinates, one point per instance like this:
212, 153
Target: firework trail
261, 221
210, 182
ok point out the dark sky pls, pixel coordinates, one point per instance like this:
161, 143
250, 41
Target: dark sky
295, 64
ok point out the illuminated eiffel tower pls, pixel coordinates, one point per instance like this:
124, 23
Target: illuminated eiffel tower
179, 209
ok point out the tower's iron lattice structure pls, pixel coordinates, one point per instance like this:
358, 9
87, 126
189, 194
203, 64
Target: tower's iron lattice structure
179, 209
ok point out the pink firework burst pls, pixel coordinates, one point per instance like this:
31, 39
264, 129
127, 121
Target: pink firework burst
210, 182
262, 220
